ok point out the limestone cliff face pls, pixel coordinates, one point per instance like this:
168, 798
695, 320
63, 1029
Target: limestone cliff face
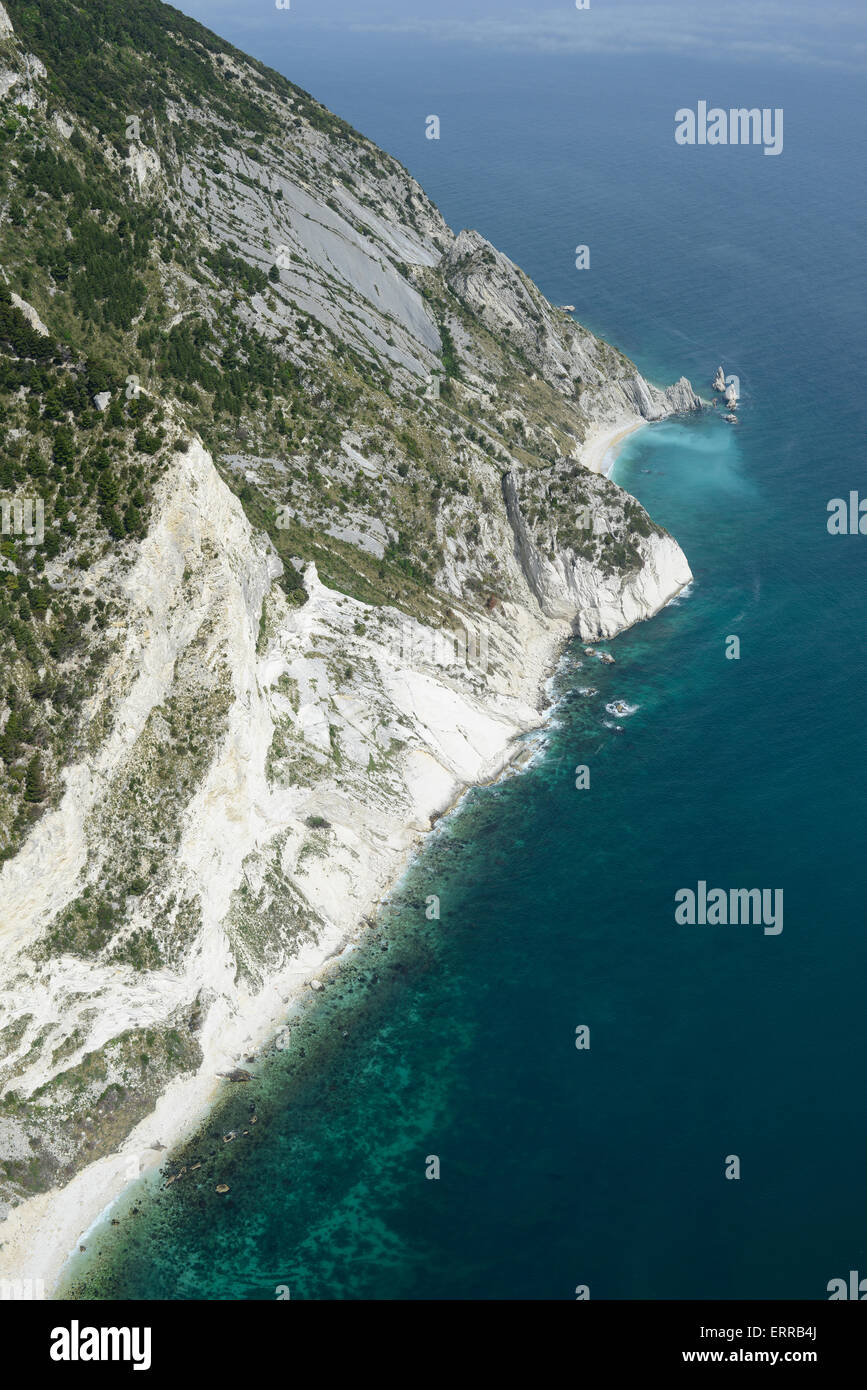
321, 554
608, 604
572, 359
597, 599
311, 745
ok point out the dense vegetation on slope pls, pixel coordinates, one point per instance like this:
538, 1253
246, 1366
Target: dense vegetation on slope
90, 473
104, 58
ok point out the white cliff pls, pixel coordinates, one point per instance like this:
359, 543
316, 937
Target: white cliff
599, 600
204, 611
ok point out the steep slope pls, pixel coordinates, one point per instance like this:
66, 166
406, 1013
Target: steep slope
316, 520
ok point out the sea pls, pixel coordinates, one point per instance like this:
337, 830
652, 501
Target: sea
556, 1089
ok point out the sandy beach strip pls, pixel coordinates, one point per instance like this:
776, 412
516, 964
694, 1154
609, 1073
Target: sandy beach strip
600, 450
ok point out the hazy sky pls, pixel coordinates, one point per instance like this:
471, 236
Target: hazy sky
826, 32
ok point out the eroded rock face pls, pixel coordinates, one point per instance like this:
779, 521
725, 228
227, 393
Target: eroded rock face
510, 305
611, 604
616, 571
262, 851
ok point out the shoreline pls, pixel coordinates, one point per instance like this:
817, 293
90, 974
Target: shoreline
40, 1237
599, 453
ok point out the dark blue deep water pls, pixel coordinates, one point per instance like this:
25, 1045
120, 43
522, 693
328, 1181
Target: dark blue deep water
605, 1167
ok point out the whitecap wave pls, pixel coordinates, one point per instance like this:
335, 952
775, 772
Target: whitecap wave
686, 592
621, 708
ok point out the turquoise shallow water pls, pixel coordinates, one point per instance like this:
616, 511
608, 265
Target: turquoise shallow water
605, 1167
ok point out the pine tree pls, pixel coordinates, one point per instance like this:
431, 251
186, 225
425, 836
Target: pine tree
113, 524
9, 745
64, 447
34, 784
107, 490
